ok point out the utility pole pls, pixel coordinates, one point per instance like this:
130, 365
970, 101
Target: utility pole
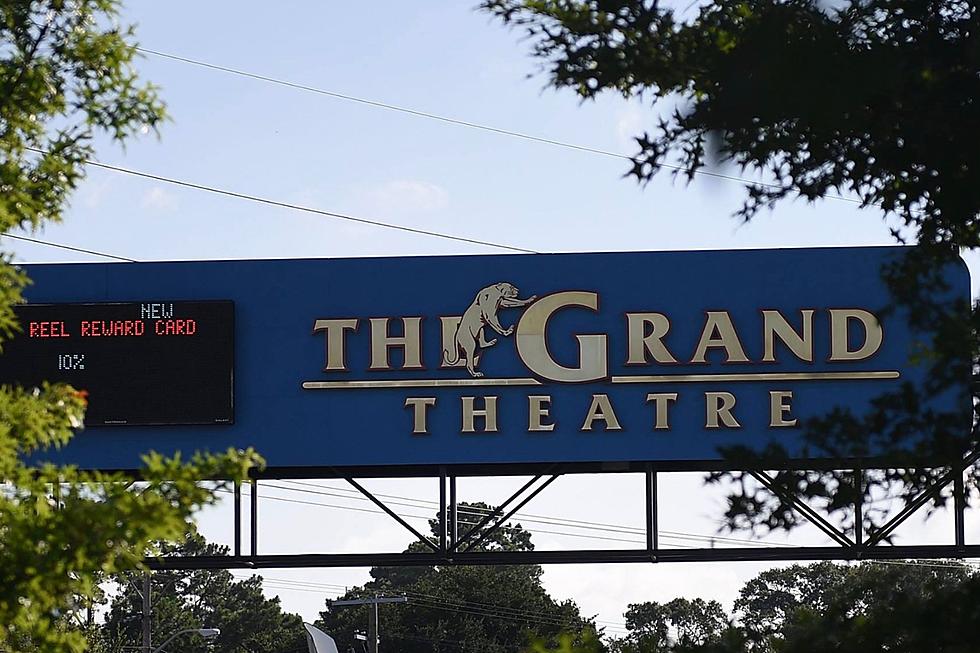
147, 644
372, 603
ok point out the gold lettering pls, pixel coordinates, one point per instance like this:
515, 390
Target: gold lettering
410, 342
335, 342
839, 326
718, 406
420, 407
532, 344
538, 407
776, 326
779, 408
641, 343
601, 409
661, 401
488, 413
719, 331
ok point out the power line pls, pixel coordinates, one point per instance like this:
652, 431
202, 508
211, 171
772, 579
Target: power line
490, 610
670, 535
307, 209
297, 207
71, 248
541, 519
453, 121
426, 518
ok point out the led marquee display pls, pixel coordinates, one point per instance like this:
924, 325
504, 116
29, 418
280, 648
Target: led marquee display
160, 362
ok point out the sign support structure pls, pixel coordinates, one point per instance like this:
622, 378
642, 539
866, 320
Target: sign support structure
453, 546
519, 366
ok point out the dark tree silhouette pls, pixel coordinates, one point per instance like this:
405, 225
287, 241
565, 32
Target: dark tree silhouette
874, 99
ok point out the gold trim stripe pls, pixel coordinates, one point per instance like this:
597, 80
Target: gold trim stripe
661, 378
761, 376
415, 383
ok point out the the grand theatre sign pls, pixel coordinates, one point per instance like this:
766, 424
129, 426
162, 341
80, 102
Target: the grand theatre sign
577, 358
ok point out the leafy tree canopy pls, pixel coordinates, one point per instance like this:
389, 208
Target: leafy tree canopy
66, 77
872, 99
656, 627
249, 622
901, 607
477, 608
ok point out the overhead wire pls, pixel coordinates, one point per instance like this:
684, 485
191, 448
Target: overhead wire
449, 120
711, 540
429, 600
530, 518
462, 522
72, 248
664, 535
298, 207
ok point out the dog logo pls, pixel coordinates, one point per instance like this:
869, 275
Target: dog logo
481, 313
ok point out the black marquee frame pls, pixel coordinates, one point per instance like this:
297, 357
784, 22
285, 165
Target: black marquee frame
453, 547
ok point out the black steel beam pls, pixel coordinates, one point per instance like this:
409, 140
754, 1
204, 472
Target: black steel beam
959, 509
493, 514
391, 513
859, 506
923, 498
591, 556
801, 507
238, 518
453, 514
443, 526
255, 517
652, 522
500, 522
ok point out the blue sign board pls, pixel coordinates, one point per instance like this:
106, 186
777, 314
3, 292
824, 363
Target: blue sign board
473, 360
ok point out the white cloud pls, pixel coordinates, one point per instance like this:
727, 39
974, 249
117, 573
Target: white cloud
158, 199
93, 191
410, 195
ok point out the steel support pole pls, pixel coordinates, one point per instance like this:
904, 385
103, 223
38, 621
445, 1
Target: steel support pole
443, 517
373, 627
653, 541
453, 515
858, 507
238, 518
255, 517
959, 507
147, 615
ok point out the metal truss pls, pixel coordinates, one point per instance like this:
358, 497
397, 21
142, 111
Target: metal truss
453, 547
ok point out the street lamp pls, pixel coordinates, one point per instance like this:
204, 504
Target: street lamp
206, 633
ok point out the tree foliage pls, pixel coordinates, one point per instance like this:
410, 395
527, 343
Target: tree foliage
66, 78
901, 607
872, 99
249, 622
656, 627
488, 609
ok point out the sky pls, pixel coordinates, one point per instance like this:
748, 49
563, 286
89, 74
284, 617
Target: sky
315, 150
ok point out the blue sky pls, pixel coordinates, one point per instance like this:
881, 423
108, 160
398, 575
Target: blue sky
300, 147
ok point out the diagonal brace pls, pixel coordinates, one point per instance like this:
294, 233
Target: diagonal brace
493, 514
815, 518
391, 513
924, 497
487, 533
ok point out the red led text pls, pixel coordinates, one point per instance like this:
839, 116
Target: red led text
109, 328
175, 327
48, 330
